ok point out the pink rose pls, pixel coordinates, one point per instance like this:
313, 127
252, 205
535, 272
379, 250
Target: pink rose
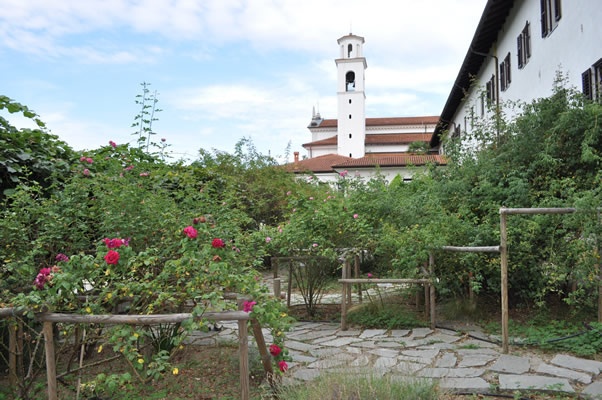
247, 306
190, 232
112, 143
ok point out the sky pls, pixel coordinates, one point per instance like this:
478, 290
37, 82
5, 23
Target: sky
223, 70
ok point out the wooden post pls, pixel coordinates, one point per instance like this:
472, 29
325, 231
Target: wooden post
344, 299
266, 359
277, 288
431, 286
504, 277
599, 253
348, 275
275, 266
12, 353
357, 275
50, 361
290, 283
243, 354
20, 347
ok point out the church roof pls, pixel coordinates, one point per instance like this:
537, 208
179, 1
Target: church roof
379, 138
392, 160
317, 164
386, 121
332, 162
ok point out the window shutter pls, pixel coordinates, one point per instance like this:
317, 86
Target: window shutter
508, 69
503, 76
544, 18
527, 36
586, 83
519, 46
557, 10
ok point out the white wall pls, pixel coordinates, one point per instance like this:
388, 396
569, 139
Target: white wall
572, 47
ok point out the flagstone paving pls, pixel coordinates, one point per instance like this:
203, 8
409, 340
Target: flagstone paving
458, 361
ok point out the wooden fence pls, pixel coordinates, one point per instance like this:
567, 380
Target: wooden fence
48, 319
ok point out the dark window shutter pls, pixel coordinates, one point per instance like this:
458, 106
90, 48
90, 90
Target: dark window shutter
527, 36
586, 83
508, 69
519, 46
557, 10
544, 18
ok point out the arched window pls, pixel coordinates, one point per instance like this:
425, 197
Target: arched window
349, 50
350, 81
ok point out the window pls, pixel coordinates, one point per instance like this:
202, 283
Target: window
350, 81
490, 89
350, 136
591, 81
523, 44
482, 104
586, 82
551, 12
349, 101
349, 116
505, 77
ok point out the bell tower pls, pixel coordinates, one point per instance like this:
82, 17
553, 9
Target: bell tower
351, 117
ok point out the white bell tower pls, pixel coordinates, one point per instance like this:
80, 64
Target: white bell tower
351, 118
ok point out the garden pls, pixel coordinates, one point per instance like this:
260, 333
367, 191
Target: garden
123, 230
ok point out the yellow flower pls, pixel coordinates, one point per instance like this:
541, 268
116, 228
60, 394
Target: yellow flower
136, 335
283, 314
88, 310
107, 272
175, 371
140, 361
100, 348
109, 296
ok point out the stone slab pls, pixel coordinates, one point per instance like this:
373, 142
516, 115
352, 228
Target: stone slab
564, 373
340, 341
473, 385
451, 372
475, 360
426, 354
370, 333
511, 364
580, 364
447, 360
593, 391
534, 382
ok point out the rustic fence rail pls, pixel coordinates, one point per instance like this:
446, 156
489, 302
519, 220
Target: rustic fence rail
48, 319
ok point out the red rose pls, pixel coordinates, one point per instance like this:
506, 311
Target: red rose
275, 350
218, 243
112, 257
283, 366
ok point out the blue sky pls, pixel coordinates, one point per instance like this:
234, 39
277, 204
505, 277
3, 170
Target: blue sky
223, 69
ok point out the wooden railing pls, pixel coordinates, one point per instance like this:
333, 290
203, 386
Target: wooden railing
48, 319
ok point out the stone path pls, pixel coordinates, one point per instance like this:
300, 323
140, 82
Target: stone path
459, 362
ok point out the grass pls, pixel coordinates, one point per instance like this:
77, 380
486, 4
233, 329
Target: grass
346, 386
386, 312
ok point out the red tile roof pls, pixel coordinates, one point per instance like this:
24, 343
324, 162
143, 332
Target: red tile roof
392, 160
317, 164
332, 123
371, 139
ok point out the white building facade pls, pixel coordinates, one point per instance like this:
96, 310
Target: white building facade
517, 53
359, 146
